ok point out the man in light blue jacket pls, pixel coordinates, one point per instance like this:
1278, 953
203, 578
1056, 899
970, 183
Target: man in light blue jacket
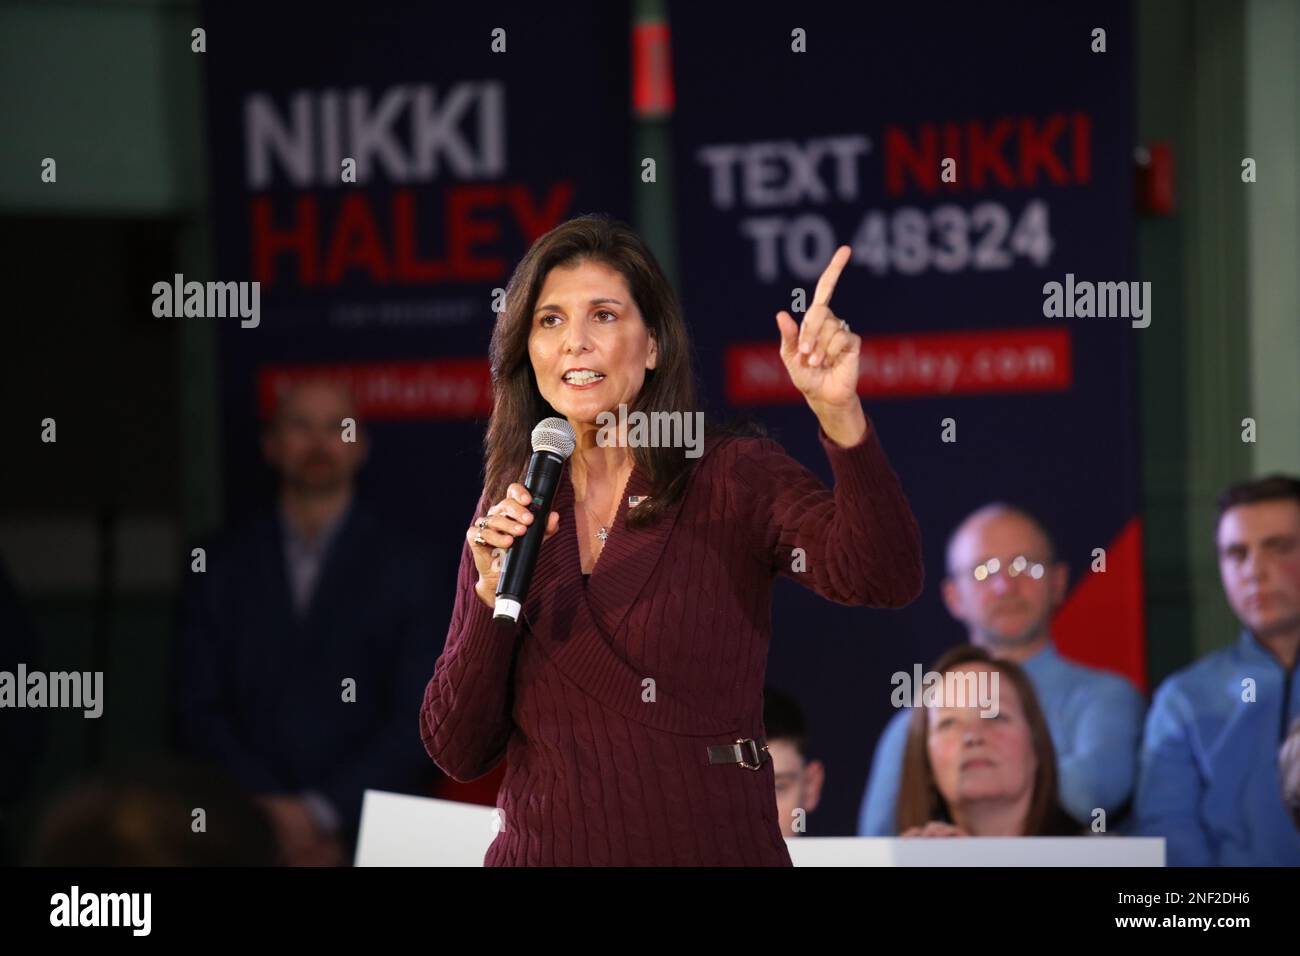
1004, 583
1209, 780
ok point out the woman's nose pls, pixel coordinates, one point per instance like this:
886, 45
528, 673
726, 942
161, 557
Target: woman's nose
577, 339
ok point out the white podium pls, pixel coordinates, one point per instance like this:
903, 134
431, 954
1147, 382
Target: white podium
401, 830
978, 851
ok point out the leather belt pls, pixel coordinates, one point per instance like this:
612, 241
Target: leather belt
747, 752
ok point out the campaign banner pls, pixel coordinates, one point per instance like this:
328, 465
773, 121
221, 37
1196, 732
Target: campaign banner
979, 161
379, 170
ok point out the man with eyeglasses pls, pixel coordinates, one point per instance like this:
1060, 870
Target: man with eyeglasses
1004, 583
1210, 781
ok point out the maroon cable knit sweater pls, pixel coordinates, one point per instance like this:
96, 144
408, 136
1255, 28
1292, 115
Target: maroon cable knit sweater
605, 768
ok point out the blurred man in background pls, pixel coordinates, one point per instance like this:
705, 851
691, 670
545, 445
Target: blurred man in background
1210, 782
307, 640
798, 780
1004, 583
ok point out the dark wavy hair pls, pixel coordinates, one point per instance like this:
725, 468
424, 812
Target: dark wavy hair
1269, 488
518, 404
919, 799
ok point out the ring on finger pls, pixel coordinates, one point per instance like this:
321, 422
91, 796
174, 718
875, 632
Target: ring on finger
481, 523
844, 325
479, 539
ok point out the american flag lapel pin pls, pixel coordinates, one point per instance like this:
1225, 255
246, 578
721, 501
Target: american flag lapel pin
634, 500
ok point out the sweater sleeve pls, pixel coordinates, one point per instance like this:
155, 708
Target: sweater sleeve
858, 544
465, 720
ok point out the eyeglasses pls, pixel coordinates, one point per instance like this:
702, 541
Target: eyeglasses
1019, 565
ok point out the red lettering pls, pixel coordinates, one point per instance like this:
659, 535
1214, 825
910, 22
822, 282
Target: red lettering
901, 157
986, 154
1038, 148
534, 223
356, 243
1082, 148
299, 240
324, 248
462, 231
1010, 152
408, 267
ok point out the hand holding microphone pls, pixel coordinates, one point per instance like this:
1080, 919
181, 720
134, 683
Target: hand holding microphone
524, 515
506, 520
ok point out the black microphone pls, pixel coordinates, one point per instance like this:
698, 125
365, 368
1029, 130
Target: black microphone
553, 443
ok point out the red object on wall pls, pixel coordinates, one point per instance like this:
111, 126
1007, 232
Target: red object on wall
1102, 623
1155, 180
653, 95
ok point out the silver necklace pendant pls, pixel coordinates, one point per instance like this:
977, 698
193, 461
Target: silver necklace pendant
603, 534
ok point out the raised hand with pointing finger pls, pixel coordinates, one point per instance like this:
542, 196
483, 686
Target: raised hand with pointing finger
821, 355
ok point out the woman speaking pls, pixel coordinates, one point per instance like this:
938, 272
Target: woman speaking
627, 701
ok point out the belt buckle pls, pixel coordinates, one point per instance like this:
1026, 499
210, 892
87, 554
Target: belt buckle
753, 746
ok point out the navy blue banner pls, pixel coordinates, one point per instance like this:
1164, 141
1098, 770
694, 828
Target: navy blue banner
970, 155
380, 170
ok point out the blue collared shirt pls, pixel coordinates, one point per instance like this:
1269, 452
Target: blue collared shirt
1094, 717
1209, 781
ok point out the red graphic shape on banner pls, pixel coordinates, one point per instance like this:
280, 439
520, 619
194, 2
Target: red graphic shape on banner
1101, 623
432, 390
898, 366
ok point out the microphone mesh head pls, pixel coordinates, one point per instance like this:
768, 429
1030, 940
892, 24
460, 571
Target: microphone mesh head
556, 436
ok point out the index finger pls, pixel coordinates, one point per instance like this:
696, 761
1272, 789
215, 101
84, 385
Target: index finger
826, 284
